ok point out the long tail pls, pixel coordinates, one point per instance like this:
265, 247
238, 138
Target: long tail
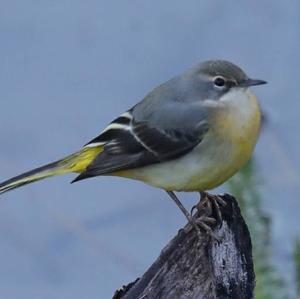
76, 162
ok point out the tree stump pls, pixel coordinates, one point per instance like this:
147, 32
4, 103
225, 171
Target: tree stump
193, 266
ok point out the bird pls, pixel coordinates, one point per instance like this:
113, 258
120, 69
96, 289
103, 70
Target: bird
191, 133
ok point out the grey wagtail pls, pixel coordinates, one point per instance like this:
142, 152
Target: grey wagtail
191, 133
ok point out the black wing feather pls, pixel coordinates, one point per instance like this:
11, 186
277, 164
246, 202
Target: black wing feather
138, 145
166, 144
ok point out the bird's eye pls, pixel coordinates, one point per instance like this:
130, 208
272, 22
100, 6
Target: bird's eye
219, 82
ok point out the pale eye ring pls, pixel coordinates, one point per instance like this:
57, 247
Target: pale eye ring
219, 82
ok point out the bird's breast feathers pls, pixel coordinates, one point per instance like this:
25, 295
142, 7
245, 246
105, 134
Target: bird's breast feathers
224, 150
239, 118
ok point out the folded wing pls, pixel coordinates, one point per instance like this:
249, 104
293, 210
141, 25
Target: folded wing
132, 143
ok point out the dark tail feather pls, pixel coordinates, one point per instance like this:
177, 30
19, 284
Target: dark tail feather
76, 162
32, 176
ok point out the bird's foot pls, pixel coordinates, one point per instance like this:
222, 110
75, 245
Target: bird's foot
200, 224
209, 205
203, 220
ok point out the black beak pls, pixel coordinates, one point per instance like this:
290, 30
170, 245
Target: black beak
252, 82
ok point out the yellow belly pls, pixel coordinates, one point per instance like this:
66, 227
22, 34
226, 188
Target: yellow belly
224, 150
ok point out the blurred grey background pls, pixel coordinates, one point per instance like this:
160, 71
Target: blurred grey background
66, 69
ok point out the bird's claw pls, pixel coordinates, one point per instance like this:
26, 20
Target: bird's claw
208, 205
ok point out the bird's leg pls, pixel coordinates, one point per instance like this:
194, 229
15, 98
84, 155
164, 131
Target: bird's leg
184, 211
202, 221
208, 203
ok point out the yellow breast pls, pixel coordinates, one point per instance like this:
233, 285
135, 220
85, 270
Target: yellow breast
238, 124
239, 120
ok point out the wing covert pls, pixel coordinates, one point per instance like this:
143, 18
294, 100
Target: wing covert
132, 144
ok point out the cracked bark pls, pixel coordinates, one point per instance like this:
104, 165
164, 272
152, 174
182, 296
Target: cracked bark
201, 267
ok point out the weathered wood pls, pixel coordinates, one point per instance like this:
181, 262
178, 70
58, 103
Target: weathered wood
201, 267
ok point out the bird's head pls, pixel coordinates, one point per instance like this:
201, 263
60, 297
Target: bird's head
218, 77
